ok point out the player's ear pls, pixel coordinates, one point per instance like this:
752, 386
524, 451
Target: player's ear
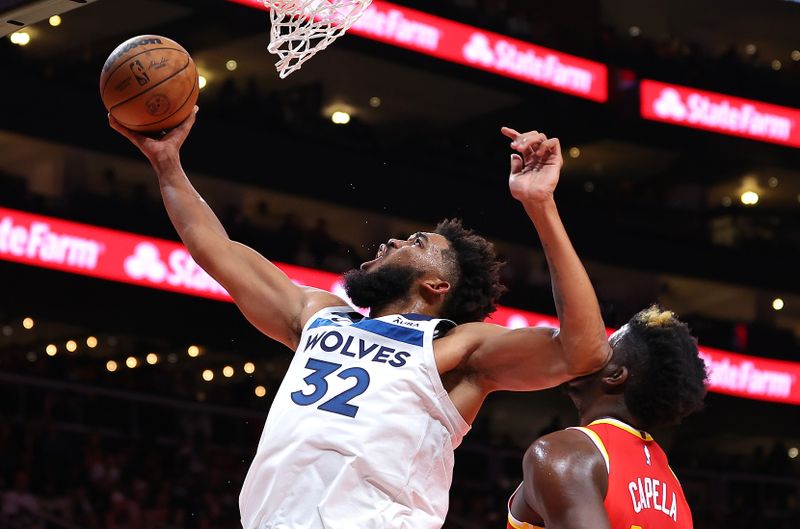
616, 376
436, 286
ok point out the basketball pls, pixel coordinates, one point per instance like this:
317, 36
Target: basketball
149, 83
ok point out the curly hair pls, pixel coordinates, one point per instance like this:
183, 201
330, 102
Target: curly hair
476, 274
667, 378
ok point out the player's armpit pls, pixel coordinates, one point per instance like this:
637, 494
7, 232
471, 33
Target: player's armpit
565, 481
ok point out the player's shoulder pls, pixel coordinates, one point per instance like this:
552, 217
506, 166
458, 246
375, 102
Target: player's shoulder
563, 451
317, 301
563, 464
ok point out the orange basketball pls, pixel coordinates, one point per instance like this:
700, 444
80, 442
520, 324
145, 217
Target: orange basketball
149, 83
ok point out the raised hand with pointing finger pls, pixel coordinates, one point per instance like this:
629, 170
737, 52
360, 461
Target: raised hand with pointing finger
535, 166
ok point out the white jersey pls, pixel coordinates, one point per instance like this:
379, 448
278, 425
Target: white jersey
361, 432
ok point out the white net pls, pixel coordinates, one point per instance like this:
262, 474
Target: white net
301, 28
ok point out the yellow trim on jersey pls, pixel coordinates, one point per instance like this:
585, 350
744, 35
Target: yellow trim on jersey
644, 436
516, 524
512, 521
673, 474
598, 443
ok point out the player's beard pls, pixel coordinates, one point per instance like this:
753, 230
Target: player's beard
376, 289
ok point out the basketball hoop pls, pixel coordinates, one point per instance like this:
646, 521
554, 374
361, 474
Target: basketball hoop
301, 28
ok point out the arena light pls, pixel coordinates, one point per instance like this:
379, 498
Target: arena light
574, 152
20, 38
793, 452
227, 371
152, 358
795, 55
132, 362
112, 366
208, 375
375, 101
777, 304
260, 391
72, 346
231, 65
249, 368
193, 351
28, 323
202, 81
340, 117
18, 13
55, 21
776, 65
51, 350
91, 342
749, 198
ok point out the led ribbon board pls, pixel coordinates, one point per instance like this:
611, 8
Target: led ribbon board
92, 251
698, 109
474, 47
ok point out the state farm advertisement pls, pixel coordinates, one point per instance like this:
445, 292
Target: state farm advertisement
752, 377
455, 42
720, 113
145, 261
100, 252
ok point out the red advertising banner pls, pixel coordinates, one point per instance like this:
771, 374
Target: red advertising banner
752, 377
52, 243
455, 42
720, 113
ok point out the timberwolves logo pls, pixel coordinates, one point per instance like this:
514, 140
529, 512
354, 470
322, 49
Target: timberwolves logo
157, 105
138, 72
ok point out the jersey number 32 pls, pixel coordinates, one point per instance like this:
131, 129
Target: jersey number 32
340, 403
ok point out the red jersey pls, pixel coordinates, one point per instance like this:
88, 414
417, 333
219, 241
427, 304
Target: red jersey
643, 492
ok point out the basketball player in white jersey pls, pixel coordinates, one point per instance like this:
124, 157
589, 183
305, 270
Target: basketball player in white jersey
361, 432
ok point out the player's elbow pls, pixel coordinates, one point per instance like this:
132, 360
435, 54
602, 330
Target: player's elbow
586, 356
596, 358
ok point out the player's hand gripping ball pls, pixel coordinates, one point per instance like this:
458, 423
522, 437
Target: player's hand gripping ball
149, 83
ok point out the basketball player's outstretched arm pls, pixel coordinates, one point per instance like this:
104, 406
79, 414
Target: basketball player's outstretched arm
536, 358
565, 482
264, 294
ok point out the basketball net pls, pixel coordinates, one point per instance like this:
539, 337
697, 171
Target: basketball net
301, 28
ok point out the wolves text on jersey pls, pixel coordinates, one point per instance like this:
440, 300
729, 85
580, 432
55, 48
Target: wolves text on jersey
334, 342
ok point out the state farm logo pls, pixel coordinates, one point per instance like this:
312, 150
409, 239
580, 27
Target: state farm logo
145, 263
179, 270
40, 242
720, 113
669, 105
543, 67
478, 50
